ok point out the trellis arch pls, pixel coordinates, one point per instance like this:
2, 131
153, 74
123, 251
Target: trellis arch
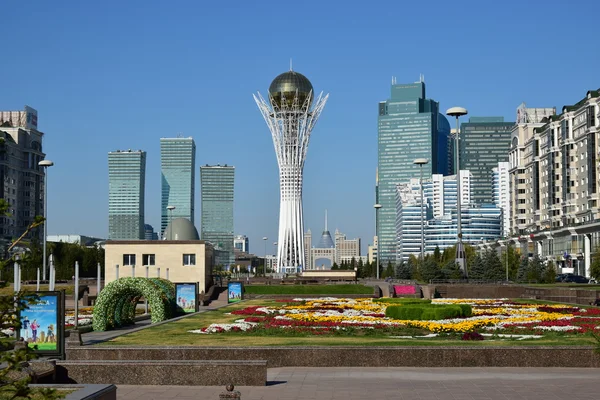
116, 303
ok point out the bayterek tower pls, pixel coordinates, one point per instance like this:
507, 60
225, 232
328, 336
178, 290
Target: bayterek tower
291, 113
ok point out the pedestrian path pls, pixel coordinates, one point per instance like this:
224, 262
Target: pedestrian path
397, 383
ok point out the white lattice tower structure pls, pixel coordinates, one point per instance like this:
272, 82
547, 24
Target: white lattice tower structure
291, 115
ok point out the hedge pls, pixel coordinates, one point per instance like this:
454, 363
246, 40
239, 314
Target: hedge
116, 303
428, 312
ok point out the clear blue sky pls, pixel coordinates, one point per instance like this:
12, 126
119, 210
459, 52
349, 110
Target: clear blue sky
109, 75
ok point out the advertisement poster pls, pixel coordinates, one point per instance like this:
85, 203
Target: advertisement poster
235, 292
186, 295
42, 324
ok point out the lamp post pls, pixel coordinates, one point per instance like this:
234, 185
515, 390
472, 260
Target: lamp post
420, 162
170, 208
457, 112
265, 260
45, 164
377, 207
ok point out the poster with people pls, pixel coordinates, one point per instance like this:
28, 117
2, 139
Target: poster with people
186, 296
42, 323
235, 291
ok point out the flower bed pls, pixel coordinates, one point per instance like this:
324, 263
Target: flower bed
499, 317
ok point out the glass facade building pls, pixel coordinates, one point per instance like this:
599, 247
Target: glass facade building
217, 183
178, 177
484, 142
126, 194
408, 128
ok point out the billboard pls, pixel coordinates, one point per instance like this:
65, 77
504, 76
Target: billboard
186, 295
235, 292
43, 324
31, 118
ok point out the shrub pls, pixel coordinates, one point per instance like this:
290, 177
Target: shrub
402, 300
427, 311
404, 312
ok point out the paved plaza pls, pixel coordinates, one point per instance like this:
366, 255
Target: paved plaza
297, 383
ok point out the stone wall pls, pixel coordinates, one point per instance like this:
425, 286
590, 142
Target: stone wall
348, 356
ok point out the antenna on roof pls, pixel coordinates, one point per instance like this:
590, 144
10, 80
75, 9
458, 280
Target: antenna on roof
325, 219
291, 69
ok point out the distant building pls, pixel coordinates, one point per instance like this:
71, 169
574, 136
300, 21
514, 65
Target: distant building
75, 239
149, 233
372, 251
21, 178
241, 243
217, 184
126, 194
308, 249
346, 248
178, 177
484, 142
501, 192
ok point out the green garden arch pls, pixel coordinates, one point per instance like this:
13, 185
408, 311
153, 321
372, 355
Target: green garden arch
116, 303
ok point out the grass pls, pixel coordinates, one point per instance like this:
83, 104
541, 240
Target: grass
308, 289
8, 290
176, 334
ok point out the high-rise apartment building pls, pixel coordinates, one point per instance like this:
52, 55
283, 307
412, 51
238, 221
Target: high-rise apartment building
409, 127
307, 248
217, 184
346, 249
178, 177
126, 194
554, 183
501, 193
479, 222
21, 178
241, 243
484, 142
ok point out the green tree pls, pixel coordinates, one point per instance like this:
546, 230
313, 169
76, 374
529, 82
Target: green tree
10, 306
389, 270
595, 266
477, 268
451, 270
493, 266
437, 254
549, 273
335, 266
523, 269
535, 270
431, 270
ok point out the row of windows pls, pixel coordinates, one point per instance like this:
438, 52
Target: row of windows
150, 259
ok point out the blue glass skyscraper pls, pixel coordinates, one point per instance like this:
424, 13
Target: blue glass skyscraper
217, 184
126, 189
408, 128
177, 170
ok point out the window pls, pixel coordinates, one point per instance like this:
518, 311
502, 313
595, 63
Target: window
148, 259
128, 259
189, 259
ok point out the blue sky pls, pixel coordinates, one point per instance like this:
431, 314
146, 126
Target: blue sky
116, 75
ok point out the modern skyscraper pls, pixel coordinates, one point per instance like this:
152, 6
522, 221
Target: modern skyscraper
484, 142
178, 177
291, 116
217, 184
501, 191
21, 178
149, 233
126, 194
408, 128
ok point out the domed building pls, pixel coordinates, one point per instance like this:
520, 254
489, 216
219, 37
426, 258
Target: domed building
181, 229
179, 257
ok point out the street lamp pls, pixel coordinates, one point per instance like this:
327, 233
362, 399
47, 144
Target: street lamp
505, 255
420, 162
265, 261
45, 164
457, 112
377, 207
170, 209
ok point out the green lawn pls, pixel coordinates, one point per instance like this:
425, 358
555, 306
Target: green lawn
176, 334
309, 289
7, 290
